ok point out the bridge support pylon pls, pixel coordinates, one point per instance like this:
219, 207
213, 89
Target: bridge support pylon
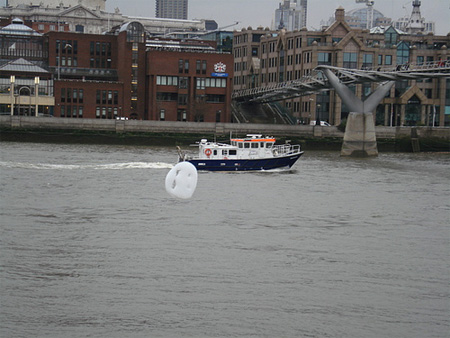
359, 138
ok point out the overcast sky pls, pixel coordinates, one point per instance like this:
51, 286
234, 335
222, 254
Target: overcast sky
261, 12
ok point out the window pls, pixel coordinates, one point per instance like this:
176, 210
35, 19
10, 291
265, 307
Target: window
204, 67
402, 53
380, 60
182, 99
200, 83
311, 40
420, 60
186, 66
367, 61
390, 36
214, 98
215, 82
180, 66
163, 96
324, 59
167, 80
183, 83
350, 60
388, 60
162, 114
181, 115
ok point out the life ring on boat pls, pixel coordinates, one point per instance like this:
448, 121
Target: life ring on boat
208, 152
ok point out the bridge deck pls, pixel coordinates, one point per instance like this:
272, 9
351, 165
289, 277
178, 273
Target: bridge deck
318, 82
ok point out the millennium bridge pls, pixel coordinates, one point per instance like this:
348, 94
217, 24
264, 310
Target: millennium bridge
359, 137
318, 81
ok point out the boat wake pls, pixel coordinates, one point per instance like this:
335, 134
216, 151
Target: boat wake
108, 166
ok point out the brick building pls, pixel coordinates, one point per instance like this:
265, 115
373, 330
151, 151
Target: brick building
188, 81
118, 74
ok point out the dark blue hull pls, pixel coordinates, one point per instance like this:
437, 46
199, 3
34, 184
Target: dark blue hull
246, 165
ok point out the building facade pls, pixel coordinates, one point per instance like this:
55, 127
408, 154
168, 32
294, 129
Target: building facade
89, 17
99, 4
188, 81
172, 9
284, 56
121, 74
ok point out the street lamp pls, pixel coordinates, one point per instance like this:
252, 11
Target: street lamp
36, 95
13, 98
318, 115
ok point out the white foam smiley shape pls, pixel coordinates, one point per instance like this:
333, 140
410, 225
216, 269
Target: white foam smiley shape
181, 180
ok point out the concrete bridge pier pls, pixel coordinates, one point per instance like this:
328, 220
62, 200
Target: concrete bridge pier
359, 137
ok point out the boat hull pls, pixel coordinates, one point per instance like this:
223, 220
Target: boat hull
246, 164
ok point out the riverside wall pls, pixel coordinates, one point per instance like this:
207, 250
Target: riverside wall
124, 128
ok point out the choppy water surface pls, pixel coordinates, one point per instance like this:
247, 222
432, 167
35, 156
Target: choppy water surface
92, 245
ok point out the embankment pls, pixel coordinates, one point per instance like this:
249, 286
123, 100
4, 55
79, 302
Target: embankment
147, 133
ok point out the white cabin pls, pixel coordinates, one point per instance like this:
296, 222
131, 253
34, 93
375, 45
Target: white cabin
253, 146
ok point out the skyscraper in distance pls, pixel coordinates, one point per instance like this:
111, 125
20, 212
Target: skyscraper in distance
172, 9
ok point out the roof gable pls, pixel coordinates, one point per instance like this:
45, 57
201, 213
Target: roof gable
22, 65
79, 11
350, 42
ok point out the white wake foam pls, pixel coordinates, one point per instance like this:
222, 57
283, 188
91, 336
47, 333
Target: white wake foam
108, 166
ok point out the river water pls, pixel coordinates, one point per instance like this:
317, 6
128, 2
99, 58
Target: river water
91, 245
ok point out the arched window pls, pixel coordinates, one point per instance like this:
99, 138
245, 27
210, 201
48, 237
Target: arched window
135, 32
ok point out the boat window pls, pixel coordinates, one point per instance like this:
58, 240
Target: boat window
225, 152
215, 152
233, 152
241, 145
246, 145
269, 145
254, 144
261, 144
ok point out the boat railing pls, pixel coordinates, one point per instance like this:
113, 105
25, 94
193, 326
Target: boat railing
285, 149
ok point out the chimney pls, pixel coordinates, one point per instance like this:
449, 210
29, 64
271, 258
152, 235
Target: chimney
340, 14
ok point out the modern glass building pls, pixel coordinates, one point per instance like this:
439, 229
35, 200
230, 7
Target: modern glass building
172, 9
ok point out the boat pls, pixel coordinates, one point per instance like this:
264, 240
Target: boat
253, 152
